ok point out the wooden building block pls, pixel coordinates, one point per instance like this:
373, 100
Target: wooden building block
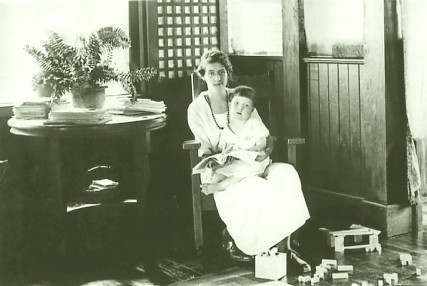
321, 269
405, 259
395, 277
339, 244
418, 272
358, 238
339, 275
320, 275
304, 279
332, 262
345, 268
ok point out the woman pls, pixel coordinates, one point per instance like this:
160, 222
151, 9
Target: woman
258, 212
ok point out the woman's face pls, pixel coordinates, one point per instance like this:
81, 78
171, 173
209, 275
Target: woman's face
216, 76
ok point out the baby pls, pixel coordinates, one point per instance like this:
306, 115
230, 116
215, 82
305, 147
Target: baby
243, 133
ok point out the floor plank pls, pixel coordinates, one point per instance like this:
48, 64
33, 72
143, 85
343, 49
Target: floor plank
168, 258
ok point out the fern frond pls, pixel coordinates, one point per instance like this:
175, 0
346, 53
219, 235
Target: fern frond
112, 38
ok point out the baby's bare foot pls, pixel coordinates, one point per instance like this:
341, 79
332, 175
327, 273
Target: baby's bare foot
209, 189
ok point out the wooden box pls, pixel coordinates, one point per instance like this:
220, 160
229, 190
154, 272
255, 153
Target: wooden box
270, 266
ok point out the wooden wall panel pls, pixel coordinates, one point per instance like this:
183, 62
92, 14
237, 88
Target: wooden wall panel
324, 124
345, 127
355, 129
313, 140
334, 126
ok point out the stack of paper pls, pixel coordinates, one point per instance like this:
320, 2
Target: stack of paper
78, 116
30, 110
102, 185
141, 106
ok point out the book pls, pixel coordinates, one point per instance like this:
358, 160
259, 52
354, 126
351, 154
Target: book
221, 158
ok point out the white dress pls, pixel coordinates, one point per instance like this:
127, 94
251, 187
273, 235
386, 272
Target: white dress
258, 212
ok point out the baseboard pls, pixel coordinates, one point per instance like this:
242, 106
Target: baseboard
391, 220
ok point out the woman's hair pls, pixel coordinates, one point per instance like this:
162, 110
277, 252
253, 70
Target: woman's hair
214, 56
244, 91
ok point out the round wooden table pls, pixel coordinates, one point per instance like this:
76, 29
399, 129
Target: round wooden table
137, 128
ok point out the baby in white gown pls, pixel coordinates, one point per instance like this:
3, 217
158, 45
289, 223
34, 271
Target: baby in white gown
242, 133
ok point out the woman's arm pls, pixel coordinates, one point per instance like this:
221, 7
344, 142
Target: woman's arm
195, 122
260, 128
263, 154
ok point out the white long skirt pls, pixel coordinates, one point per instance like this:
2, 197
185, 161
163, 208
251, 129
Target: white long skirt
260, 212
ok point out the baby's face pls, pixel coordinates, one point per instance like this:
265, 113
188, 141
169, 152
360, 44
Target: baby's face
241, 108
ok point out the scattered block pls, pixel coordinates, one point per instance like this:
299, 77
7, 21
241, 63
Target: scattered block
304, 279
418, 272
345, 268
321, 269
390, 278
395, 277
320, 275
365, 283
339, 275
326, 266
380, 282
314, 280
331, 262
405, 259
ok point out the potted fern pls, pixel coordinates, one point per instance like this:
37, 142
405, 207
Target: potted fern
85, 68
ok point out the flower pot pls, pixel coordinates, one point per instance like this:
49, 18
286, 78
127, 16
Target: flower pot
88, 97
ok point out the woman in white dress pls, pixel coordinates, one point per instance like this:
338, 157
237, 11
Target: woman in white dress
259, 213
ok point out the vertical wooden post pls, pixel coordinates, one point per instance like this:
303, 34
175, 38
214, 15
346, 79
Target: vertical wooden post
373, 119
223, 25
291, 71
383, 121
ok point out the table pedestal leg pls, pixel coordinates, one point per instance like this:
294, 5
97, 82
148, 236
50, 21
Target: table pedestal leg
140, 144
55, 197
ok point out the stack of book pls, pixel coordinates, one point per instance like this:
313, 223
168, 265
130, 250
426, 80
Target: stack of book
142, 106
102, 185
101, 191
36, 109
78, 116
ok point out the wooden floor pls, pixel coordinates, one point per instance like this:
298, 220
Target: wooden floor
106, 250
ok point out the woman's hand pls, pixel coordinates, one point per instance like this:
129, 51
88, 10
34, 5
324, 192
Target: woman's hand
263, 154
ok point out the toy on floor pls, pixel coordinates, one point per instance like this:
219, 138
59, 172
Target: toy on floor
270, 265
405, 259
336, 238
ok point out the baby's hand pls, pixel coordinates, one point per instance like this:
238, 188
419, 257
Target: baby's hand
227, 149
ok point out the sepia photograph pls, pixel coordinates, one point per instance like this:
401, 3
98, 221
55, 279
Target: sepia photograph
213, 142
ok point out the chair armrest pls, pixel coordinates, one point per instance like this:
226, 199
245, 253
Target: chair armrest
291, 144
191, 145
290, 141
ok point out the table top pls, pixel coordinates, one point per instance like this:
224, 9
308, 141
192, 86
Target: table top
118, 125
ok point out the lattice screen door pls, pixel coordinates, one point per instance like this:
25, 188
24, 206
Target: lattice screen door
186, 29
